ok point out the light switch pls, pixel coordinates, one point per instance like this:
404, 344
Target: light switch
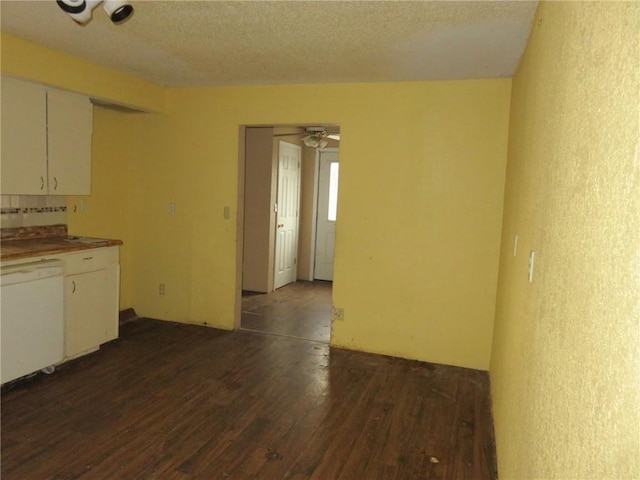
172, 209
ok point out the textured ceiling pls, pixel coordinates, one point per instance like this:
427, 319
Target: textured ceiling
198, 43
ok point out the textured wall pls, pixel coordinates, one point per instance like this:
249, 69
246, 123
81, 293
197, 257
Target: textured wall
106, 211
421, 192
422, 170
112, 148
565, 367
25, 59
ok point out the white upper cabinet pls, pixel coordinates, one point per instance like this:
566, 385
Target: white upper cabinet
23, 166
69, 128
46, 140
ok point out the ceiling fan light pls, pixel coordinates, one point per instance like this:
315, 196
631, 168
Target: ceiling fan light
311, 141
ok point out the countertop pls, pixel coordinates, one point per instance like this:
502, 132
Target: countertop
26, 242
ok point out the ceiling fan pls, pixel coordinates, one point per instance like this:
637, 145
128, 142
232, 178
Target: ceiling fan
315, 137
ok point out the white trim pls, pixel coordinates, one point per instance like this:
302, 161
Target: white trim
314, 216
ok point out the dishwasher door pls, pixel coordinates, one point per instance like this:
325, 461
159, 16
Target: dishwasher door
31, 317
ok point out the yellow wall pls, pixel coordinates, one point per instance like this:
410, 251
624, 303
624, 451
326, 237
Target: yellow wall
258, 210
421, 188
25, 59
565, 368
106, 211
422, 170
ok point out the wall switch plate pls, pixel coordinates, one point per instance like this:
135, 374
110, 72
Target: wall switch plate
162, 289
172, 209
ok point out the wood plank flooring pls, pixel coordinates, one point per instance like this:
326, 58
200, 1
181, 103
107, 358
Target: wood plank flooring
171, 401
300, 309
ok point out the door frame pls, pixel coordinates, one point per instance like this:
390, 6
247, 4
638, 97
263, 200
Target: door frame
240, 209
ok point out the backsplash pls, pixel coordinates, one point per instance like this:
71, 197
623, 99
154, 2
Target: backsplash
32, 210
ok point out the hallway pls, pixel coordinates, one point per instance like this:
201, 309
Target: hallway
300, 310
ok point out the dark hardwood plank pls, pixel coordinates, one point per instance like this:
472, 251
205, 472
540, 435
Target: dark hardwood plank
185, 402
301, 310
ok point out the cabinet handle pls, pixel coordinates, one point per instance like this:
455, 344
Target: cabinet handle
74, 286
55, 183
41, 183
87, 258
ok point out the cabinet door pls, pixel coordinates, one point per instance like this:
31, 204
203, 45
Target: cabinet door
24, 140
69, 129
85, 311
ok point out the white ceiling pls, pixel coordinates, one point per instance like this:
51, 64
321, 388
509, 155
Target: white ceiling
204, 43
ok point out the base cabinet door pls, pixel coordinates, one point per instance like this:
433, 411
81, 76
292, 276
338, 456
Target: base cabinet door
87, 310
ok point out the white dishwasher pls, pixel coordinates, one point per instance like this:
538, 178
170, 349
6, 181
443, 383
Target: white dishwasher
31, 317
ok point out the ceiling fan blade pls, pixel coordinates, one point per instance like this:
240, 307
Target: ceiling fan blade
314, 132
290, 134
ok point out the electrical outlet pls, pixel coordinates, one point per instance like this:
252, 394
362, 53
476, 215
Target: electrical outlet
161, 289
337, 314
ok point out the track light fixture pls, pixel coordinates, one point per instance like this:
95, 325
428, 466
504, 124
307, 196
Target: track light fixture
81, 11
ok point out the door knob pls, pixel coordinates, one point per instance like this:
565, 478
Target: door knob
280, 225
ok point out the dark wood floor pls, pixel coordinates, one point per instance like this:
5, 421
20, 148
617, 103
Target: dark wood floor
300, 309
173, 401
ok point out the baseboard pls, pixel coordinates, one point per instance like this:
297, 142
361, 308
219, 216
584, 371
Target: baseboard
128, 315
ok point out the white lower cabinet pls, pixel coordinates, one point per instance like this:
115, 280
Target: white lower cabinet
92, 279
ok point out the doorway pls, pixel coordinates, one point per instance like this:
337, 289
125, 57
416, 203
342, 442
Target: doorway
302, 306
327, 207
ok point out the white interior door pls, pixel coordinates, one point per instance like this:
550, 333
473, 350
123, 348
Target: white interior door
288, 204
326, 220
